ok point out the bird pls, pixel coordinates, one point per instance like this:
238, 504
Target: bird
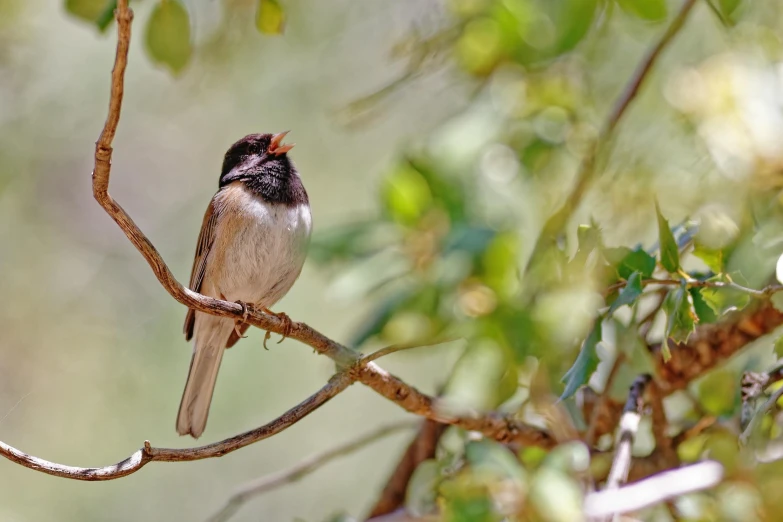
251, 249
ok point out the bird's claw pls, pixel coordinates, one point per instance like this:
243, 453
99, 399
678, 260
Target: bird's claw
247, 310
288, 325
238, 331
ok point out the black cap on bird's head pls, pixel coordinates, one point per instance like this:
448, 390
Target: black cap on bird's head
261, 162
250, 155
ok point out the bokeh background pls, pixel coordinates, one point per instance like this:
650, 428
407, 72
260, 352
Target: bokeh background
92, 359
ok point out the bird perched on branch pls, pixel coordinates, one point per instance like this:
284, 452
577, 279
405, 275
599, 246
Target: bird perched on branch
251, 249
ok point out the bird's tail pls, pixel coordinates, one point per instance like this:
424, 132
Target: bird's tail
210, 337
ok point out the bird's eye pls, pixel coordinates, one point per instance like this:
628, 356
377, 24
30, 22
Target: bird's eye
253, 148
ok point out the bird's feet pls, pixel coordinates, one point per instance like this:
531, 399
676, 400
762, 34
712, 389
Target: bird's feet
247, 310
287, 326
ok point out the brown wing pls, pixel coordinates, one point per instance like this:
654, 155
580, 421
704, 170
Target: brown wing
205, 239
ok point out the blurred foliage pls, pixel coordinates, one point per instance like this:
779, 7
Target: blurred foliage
270, 18
447, 253
168, 35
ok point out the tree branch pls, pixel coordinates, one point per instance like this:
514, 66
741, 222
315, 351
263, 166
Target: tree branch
301, 469
421, 448
354, 368
149, 454
710, 345
764, 293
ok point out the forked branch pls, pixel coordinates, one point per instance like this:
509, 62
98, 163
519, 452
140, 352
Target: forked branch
353, 366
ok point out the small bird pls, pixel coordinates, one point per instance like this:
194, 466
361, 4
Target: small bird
251, 249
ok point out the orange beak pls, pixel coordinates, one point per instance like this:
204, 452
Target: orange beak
275, 148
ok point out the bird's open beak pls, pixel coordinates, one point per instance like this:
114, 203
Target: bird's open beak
275, 147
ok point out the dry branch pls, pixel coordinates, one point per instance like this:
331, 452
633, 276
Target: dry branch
493, 425
420, 449
354, 368
709, 346
149, 454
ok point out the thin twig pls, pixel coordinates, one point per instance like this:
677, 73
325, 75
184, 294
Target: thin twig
149, 454
559, 219
763, 293
394, 348
303, 468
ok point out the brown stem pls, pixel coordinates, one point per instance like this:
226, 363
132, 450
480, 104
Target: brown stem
149, 454
420, 449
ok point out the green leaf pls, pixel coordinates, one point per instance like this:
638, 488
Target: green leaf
727, 7
555, 495
406, 195
483, 377
670, 256
778, 349
492, 457
718, 392
168, 35
470, 505
575, 20
652, 10
585, 364
421, 494
105, 19
724, 300
448, 192
480, 46
680, 315
538, 155
629, 294
270, 17
704, 311
501, 264
629, 261
714, 259
98, 12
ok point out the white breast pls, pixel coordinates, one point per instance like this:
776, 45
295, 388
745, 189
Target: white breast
261, 247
